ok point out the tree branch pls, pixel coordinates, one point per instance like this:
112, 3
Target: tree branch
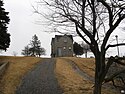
109, 11
110, 31
78, 32
121, 44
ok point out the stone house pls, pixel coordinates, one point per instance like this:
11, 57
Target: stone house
62, 46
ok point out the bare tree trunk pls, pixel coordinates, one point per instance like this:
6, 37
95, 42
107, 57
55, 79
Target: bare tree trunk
100, 72
97, 86
98, 82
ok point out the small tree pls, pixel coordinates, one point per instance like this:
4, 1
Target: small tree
26, 51
40, 51
78, 50
34, 48
4, 36
35, 45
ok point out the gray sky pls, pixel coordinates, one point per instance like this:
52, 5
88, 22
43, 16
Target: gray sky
22, 27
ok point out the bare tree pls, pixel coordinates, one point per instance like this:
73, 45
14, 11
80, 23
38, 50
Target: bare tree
94, 22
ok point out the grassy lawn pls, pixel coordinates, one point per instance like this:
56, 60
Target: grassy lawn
18, 67
85, 64
73, 83
70, 81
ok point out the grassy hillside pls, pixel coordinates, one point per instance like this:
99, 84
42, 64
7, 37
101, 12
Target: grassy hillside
18, 67
69, 79
74, 83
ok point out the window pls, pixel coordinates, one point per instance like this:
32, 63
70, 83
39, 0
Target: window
65, 40
70, 48
64, 47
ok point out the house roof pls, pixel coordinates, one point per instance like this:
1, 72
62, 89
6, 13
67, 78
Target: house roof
59, 36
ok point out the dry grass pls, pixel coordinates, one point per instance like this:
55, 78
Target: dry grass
18, 67
71, 82
85, 64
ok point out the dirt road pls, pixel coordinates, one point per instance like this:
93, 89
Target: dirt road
41, 80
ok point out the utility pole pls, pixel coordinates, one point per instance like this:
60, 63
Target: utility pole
117, 44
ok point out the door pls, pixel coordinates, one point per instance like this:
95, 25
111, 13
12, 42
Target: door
59, 51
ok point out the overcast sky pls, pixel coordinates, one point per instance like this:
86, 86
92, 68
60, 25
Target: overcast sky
22, 27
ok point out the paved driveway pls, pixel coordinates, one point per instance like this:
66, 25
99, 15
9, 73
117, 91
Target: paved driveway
41, 80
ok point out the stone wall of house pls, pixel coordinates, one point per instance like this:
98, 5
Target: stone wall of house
62, 46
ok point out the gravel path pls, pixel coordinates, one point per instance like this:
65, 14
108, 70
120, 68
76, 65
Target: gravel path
41, 80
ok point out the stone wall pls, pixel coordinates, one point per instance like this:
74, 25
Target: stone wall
62, 46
